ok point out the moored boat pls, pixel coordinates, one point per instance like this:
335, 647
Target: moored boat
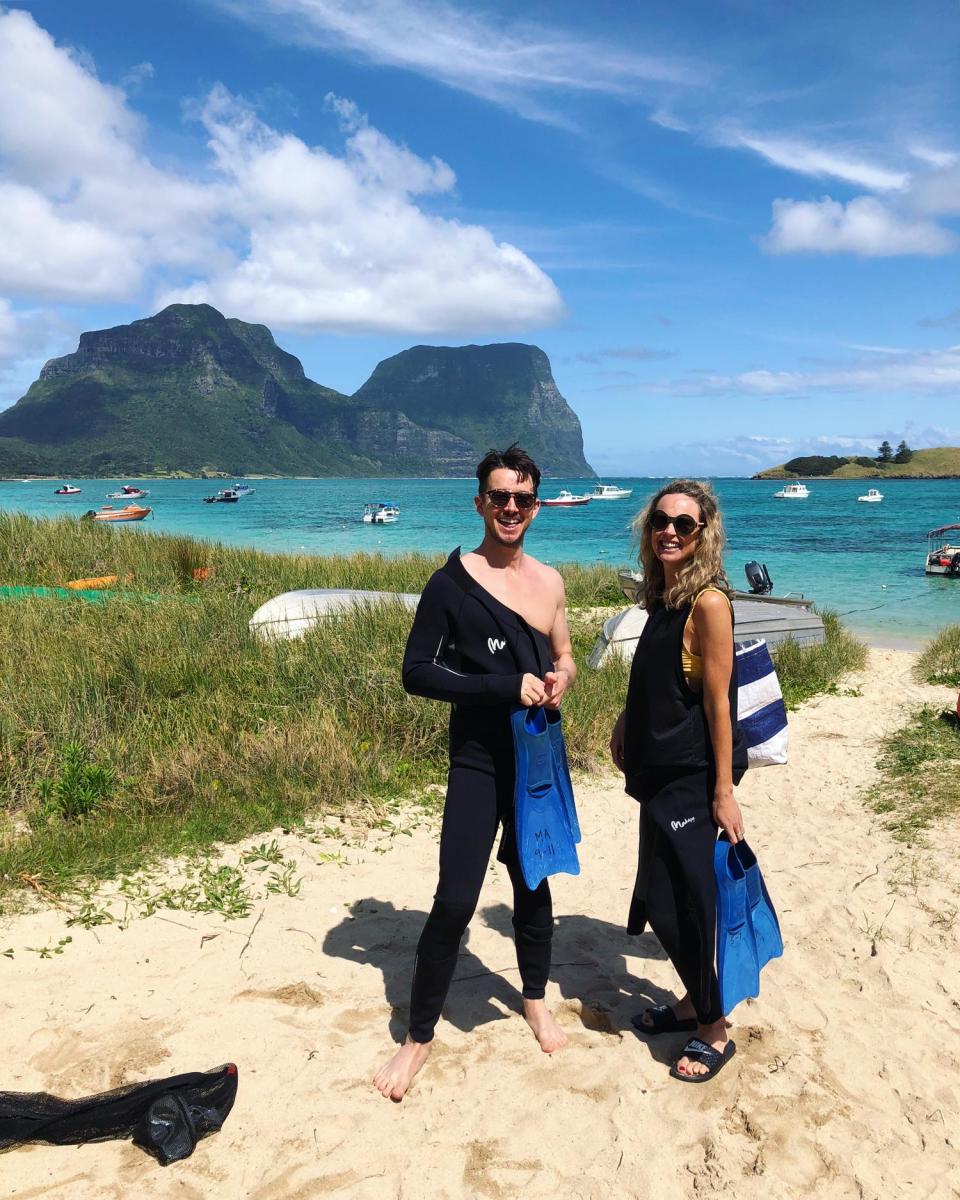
610, 491
792, 491
943, 552
872, 497
241, 489
128, 491
67, 489
380, 512
129, 512
565, 499
224, 496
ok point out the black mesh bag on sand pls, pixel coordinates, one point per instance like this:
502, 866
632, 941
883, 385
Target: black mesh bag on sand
166, 1117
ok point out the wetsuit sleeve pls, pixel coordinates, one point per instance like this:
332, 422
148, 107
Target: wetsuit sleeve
426, 669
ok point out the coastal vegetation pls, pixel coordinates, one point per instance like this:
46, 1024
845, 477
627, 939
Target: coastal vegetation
939, 661
806, 671
155, 724
920, 767
941, 462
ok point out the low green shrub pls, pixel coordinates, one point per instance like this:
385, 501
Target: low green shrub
939, 662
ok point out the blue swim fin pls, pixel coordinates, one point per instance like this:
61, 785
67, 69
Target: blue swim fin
766, 927
544, 842
555, 725
737, 969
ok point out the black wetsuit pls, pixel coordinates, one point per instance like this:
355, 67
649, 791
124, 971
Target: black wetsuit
469, 649
669, 767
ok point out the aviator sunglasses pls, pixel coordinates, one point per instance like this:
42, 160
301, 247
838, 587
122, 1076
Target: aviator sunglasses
500, 498
684, 525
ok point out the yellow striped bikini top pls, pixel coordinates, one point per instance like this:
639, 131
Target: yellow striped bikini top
692, 664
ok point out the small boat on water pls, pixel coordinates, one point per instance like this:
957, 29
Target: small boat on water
67, 489
128, 491
792, 491
380, 512
241, 489
610, 491
129, 512
943, 552
224, 496
565, 499
872, 497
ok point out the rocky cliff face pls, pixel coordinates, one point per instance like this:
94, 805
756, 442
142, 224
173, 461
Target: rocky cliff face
486, 395
191, 390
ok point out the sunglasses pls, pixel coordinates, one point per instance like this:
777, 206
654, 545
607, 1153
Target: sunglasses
684, 525
500, 498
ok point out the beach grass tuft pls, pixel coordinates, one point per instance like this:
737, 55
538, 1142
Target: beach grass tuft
806, 671
939, 662
920, 767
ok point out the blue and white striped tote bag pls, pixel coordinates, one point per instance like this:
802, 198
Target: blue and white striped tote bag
760, 708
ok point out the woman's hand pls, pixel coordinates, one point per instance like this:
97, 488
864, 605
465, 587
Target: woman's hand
532, 691
726, 814
616, 741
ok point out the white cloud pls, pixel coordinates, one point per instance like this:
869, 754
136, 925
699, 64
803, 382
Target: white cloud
929, 371
864, 226
274, 230
818, 161
506, 61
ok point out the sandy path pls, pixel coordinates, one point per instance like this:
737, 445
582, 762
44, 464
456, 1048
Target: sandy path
846, 1082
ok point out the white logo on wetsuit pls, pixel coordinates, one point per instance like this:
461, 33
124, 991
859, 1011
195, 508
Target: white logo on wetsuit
495, 644
675, 825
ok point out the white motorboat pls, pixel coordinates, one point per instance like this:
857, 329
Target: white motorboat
565, 499
128, 491
610, 491
67, 490
872, 497
792, 491
380, 512
943, 551
242, 489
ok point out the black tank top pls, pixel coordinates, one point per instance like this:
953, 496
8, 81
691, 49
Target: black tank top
665, 725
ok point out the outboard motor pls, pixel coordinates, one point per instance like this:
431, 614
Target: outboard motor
759, 578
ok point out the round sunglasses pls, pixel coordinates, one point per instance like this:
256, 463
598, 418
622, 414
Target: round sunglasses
684, 525
500, 498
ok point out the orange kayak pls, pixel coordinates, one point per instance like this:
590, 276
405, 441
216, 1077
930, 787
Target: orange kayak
102, 581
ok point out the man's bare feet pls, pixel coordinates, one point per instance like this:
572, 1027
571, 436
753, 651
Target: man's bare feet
393, 1079
714, 1035
545, 1028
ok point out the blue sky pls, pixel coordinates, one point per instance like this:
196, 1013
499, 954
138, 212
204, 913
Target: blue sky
731, 225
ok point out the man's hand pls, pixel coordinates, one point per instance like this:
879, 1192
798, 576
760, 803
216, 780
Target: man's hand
555, 684
616, 742
532, 691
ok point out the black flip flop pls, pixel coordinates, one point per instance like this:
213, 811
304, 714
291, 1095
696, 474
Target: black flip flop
700, 1052
662, 1020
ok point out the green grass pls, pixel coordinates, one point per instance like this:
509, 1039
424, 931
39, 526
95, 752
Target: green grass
940, 660
920, 765
806, 671
133, 730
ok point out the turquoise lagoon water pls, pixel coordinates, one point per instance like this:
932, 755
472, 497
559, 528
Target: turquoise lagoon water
863, 560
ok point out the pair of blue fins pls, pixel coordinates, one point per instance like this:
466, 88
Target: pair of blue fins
545, 813
748, 932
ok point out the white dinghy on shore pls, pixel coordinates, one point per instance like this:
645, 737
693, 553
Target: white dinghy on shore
292, 614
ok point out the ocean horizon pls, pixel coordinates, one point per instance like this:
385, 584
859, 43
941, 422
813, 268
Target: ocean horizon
864, 561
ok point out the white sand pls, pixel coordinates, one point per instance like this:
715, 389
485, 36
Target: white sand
846, 1082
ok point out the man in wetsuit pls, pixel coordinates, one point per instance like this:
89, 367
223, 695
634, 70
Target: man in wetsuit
490, 632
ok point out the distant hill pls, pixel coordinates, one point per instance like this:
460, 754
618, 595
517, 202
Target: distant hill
189, 390
942, 462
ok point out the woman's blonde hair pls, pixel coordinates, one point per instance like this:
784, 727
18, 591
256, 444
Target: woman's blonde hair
704, 570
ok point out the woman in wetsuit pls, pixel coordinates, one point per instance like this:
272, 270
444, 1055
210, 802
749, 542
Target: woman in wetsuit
678, 743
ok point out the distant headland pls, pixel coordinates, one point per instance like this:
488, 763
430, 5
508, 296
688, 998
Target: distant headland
942, 462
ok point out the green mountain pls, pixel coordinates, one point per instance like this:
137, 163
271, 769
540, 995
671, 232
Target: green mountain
190, 390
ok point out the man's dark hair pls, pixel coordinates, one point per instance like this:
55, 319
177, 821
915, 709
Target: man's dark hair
514, 459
